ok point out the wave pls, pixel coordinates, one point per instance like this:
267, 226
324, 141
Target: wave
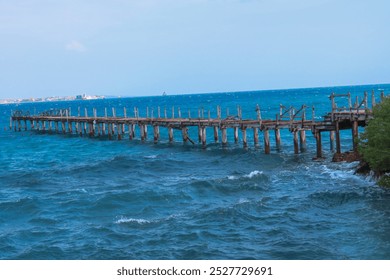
151, 156
251, 175
124, 220
140, 221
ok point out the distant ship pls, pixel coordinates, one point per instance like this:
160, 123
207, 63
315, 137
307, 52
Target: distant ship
164, 94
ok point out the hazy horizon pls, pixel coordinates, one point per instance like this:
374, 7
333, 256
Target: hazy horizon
195, 93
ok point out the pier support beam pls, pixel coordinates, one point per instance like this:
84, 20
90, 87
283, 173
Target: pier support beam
143, 132
155, 133
317, 135
224, 136
338, 144
256, 136
355, 135
203, 135
235, 134
99, 130
109, 130
119, 130
331, 139
267, 148
295, 132
215, 134
200, 134
302, 139
244, 140
184, 134
104, 129
146, 131
277, 137
170, 134
131, 131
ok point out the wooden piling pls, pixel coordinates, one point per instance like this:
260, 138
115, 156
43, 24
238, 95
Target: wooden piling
215, 134
109, 130
267, 147
295, 132
199, 134
143, 132
184, 134
317, 135
337, 132
103, 128
256, 136
224, 136
155, 133
277, 137
244, 140
372, 99
170, 134
355, 135
235, 134
99, 130
331, 139
203, 135
302, 139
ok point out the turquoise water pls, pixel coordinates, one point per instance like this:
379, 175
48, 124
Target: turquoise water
72, 197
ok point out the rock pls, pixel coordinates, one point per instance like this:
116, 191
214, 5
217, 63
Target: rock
347, 157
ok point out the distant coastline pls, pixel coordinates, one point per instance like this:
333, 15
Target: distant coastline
51, 99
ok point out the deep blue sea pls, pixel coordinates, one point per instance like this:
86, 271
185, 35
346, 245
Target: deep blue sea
72, 197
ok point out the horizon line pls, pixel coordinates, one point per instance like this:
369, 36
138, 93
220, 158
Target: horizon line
195, 93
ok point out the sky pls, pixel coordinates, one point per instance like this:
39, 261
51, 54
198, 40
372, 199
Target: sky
146, 47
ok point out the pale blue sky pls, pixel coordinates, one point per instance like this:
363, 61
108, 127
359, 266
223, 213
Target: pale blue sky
145, 47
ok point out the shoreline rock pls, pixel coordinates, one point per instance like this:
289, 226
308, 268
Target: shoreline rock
350, 156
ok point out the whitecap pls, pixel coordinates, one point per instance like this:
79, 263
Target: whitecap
124, 220
243, 200
232, 177
151, 156
337, 174
253, 174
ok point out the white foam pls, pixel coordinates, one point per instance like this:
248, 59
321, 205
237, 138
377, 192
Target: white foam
250, 175
243, 200
253, 174
124, 220
337, 174
151, 156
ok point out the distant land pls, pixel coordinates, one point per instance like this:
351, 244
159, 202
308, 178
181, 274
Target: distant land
53, 98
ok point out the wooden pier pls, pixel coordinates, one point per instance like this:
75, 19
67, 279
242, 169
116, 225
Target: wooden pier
295, 120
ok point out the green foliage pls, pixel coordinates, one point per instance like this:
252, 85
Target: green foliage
384, 181
374, 144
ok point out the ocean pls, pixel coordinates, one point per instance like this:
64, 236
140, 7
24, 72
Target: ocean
72, 197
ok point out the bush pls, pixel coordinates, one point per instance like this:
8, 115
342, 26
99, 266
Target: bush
384, 181
374, 144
